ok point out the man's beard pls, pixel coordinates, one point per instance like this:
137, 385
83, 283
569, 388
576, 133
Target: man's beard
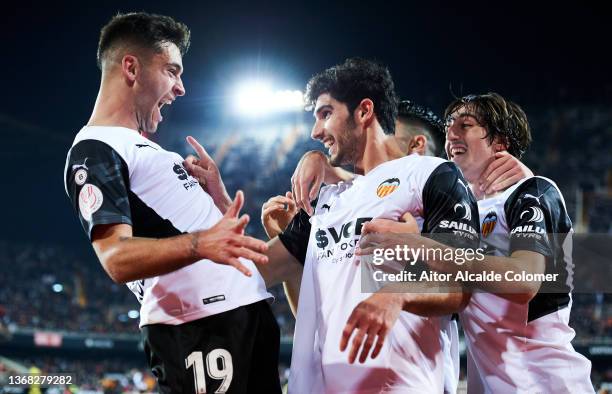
347, 146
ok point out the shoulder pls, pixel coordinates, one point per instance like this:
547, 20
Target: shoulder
538, 189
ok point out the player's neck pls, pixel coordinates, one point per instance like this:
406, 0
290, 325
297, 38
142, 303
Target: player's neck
378, 148
113, 110
482, 195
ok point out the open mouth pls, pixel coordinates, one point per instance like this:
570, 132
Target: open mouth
457, 150
160, 104
329, 144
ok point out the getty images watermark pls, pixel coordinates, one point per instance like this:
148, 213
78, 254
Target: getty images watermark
407, 256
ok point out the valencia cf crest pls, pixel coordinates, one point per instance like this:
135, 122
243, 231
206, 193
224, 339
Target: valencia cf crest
387, 187
488, 224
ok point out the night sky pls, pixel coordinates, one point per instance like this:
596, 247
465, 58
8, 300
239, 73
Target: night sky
537, 56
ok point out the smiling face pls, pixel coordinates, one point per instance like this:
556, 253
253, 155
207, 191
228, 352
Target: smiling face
336, 129
158, 83
467, 144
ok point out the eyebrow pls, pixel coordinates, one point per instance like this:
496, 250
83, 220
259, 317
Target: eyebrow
178, 66
321, 108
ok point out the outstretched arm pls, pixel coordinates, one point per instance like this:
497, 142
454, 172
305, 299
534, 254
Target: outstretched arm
126, 258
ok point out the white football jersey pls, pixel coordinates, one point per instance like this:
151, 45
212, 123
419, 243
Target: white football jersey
411, 360
514, 348
115, 175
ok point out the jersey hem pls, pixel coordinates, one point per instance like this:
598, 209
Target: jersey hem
209, 311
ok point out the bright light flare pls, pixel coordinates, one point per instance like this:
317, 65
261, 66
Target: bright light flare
257, 98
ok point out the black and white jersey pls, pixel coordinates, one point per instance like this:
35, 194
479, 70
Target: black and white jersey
411, 360
115, 175
526, 348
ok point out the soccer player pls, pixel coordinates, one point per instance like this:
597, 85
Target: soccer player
517, 331
204, 316
415, 129
354, 109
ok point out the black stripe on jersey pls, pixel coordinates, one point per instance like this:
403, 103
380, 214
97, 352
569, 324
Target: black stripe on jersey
147, 223
449, 207
538, 222
107, 170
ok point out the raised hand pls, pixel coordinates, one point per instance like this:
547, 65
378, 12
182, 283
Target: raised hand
205, 170
276, 213
225, 242
308, 178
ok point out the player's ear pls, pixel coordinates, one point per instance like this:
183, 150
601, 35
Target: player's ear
364, 113
418, 144
129, 68
499, 145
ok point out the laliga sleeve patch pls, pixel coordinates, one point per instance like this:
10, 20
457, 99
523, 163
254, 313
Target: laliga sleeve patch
90, 200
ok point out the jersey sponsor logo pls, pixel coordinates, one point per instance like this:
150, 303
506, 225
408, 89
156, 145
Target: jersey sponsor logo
182, 175
331, 240
488, 224
459, 227
536, 214
529, 228
346, 231
90, 200
80, 177
387, 187
467, 215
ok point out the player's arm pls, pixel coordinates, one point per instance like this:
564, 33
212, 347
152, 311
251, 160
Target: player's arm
519, 260
276, 214
311, 172
96, 178
529, 244
286, 257
289, 248
127, 258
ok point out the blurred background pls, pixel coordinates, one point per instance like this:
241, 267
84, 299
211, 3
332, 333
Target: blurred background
59, 312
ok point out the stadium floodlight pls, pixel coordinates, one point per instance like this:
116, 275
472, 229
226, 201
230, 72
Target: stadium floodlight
133, 314
256, 98
58, 288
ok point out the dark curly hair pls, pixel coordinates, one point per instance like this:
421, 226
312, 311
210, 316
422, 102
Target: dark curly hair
142, 30
354, 80
500, 117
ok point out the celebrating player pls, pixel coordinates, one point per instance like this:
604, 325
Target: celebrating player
517, 332
355, 109
205, 321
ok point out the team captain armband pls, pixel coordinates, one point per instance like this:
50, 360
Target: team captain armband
96, 182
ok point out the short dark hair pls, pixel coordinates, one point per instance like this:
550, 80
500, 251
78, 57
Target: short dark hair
143, 30
354, 80
428, 122
500, 117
